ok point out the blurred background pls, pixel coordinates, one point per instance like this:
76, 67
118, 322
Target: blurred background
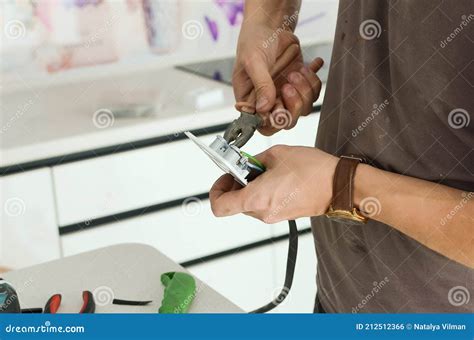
69, 39
94, 98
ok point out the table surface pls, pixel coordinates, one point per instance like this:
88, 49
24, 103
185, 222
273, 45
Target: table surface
126, 271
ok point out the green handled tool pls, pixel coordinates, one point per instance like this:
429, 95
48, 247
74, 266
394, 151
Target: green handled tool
179, 292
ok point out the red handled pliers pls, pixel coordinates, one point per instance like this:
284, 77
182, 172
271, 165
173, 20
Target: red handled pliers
88, 305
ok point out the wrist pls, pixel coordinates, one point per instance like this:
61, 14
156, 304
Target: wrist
276, 15
367, 190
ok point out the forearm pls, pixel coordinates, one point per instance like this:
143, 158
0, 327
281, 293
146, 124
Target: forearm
272, 13
440, 217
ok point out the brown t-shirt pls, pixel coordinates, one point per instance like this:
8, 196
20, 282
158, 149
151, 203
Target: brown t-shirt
400, 93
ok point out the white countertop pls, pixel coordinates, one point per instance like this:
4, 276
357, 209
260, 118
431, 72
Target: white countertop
125, 271
59, 120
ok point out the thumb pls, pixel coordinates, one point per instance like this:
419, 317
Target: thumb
259, 72
268, 158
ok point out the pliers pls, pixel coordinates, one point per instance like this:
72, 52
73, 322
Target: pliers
88, 305
242, 129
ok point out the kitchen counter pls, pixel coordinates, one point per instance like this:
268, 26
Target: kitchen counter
54, 121
41, 123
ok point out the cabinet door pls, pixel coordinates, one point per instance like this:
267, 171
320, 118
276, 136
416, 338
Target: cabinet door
247, 278
183, 233
129, 180
255, 277
28, 231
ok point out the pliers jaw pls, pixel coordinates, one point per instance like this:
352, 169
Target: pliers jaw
242, 129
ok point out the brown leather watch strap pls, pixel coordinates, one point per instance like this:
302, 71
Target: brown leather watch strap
343, 183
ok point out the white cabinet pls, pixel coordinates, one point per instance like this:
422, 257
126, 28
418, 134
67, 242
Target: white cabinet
28, 230
253, 278
135, 179
247, 279
182, 233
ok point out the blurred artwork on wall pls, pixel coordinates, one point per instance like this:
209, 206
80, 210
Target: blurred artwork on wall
49, 37
80, 33
162, 20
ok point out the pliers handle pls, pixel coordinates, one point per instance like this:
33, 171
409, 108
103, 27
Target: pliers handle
88, 304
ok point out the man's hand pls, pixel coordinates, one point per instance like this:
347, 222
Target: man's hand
297, 93
297, 183
254, 61
280, 97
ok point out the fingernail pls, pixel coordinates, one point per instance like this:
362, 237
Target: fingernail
261, 102
248, 109
294, 77
290, 91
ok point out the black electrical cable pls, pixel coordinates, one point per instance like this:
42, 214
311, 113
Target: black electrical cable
130, 302
32, 310
290, 270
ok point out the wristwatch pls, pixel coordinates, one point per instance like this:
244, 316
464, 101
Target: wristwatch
342, 205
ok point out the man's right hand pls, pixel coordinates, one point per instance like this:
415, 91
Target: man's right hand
280, 99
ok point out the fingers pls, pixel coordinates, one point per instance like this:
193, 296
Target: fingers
258, 71
241, 83
292, 100
279, 118
313, 80
249, 104
226, 196
296, 98
309, 73
285, 59
305, 91
316, 64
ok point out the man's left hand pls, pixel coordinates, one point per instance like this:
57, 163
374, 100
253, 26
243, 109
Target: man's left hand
297, 183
